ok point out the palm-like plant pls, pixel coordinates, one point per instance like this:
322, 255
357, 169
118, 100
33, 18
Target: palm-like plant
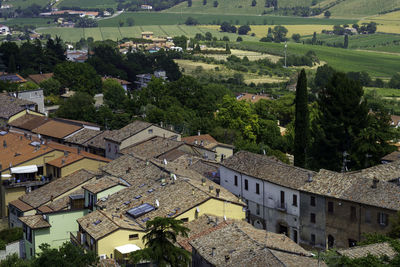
159, 242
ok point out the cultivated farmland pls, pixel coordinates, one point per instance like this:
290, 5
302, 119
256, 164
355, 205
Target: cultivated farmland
117, 33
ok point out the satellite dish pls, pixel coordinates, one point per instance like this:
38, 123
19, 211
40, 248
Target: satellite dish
165, 162
157, 203
174, 177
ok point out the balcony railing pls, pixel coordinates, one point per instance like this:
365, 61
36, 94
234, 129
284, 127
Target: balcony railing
281, 206
25, 183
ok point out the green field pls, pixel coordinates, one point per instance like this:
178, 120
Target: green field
164, 18
88, 3
38, 22
378, 42
360, 8
384, 92
376, 64
233, 6
117, 33
26, 3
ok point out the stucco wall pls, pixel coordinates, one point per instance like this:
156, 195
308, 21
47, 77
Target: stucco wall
11, 248
86, 163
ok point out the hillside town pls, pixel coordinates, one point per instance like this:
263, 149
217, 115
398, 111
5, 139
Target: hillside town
199, 133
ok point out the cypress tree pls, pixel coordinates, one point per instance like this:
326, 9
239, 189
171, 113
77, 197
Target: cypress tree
346, 41
302, 130
11, 65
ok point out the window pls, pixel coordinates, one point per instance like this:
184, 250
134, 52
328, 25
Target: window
109, 148
330, 207
368, 216
312, 239
134, 236
246, 184
353, 214
258, 209
312, 201
282, 197
383, 218
312, 217
294, 200
236, 180
295, 236
150, 131
257, 188
185, 219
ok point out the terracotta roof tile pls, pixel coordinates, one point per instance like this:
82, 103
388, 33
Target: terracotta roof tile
56, 129
22, 206
197, 139
129, 130
98, 141
38, 78
101, 184
268, 169
152, 147
378, 249
355, 187
11, 105
56, 188
29, 121
35, 221
82, 136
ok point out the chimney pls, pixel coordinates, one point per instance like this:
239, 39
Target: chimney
310, 177
79, 150
198, 132
212, 252
375, 183
203, 181
51, 198
211, 188
217, 190
227, 258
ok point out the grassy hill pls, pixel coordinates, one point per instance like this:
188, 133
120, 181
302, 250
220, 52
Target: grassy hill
233, 6
360, 8
88, 3
25, 3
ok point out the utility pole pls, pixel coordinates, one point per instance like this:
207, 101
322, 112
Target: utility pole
285, 53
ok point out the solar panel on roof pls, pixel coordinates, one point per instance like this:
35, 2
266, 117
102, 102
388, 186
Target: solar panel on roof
137, 197
146, 219
126, 202
150, 190
141, 185
140, 210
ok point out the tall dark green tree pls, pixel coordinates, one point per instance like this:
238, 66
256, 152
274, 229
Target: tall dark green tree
346, 41
11, 65
343, 114
302, 129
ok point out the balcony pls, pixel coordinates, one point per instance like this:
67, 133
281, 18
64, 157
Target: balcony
12, 183
281, 206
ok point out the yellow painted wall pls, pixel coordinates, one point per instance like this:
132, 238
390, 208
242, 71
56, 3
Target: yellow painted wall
40, 160
118, 238
143, 135
13, 194
214, 207
88, 164
22, 113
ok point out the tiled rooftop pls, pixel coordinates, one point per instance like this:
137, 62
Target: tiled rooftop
16, 149
29, 121
73, 153
383, 172
56, 188
174, 197
38, 78
35, 221
355, 187
101, 184
206, 224
56, 129
152, 147
378, 249
238, 243
11, 105
82, 136
394, 156
60, 204
233, 247
268, 169
198, 139
98, 140
129, 130
22, 206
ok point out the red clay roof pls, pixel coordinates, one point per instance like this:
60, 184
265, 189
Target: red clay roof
38, 78
206, 138
22, 206
29, 121
56, 129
